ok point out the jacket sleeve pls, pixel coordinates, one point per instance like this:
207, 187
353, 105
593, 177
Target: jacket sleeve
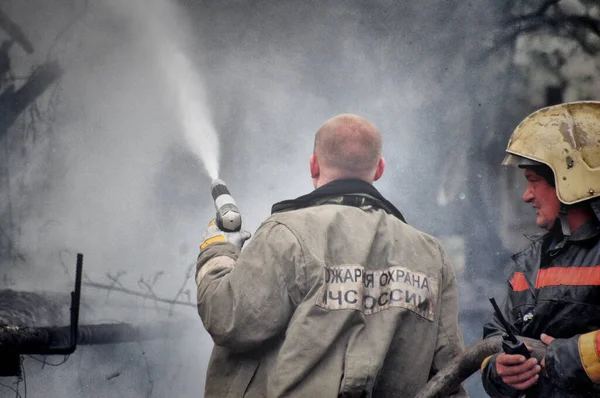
574, 363
492, 382
243, 298
449, 339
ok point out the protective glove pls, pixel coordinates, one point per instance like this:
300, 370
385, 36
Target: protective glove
574, 363
213, 235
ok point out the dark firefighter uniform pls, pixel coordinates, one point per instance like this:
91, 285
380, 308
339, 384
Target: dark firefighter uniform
555, 285
557, 292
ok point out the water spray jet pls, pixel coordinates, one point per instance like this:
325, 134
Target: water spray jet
193, 113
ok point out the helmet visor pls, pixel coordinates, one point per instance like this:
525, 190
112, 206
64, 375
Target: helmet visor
516, 160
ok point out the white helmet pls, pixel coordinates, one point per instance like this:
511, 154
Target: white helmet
566, 138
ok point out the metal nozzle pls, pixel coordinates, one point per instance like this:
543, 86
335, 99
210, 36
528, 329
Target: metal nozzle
218, 187
228, 215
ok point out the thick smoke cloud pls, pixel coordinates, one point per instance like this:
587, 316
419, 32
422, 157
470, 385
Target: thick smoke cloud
90, 184
113, 176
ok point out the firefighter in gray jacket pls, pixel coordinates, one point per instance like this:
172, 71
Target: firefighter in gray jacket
335, 296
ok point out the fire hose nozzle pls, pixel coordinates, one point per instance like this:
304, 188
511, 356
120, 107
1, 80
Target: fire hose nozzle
228, 215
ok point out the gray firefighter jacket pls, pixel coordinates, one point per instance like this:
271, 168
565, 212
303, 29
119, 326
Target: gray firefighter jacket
335, 295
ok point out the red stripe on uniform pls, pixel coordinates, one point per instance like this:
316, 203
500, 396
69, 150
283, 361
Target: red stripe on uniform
571, 276
518, 282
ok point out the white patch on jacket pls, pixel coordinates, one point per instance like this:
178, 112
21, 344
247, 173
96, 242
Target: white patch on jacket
372, 291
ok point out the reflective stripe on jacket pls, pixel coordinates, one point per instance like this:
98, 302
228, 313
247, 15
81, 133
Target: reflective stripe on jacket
560, 298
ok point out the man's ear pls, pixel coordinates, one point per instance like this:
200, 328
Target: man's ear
315, 170
379, 170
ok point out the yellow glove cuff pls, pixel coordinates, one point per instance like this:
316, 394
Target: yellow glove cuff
485, 361
589, 353
210, 241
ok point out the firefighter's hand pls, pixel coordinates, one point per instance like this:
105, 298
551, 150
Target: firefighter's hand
517, 371
546, 340
213, 235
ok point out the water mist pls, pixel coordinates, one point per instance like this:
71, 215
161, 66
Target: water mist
193, 113
165, 27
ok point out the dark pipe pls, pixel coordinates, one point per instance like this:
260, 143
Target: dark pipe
448, 379
69, 346
48, 340
75, 299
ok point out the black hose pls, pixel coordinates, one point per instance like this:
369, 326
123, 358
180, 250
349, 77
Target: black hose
446, 381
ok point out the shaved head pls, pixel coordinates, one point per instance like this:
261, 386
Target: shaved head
348, 146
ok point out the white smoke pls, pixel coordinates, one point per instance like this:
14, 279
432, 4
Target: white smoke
165, 32
119, 180
91, 186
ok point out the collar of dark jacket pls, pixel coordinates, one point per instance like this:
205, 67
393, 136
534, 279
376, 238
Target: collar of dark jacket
589, 230
346, 190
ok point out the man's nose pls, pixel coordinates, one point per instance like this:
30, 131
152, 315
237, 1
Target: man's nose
528, 195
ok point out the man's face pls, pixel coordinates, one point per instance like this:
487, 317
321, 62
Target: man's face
543, 198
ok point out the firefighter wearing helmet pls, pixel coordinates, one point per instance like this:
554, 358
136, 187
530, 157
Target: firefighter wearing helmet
554, 290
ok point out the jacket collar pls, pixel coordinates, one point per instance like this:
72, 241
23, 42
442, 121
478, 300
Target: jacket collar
587, 230
556, 239
350, 192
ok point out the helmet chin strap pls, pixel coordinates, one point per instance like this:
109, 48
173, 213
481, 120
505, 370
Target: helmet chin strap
595, 205
564, 225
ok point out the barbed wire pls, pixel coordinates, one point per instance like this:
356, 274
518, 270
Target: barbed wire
45, 362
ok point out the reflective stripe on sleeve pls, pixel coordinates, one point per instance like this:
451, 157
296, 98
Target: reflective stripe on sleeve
214, 239
589, 345
485, 362
519, 282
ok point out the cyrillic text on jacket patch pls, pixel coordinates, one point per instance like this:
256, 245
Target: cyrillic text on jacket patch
371, 291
